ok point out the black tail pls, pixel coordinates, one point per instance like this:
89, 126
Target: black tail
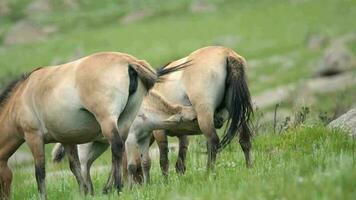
164, 70
238, 101
58, 153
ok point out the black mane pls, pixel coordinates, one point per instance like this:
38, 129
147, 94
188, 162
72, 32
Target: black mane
6, 93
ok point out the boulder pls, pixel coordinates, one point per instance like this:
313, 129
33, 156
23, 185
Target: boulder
331, 84
136, 16
201, 6
38, 7
23, 32
315, 41
4, 8
273, 96
71, 4
337, 59
346, 122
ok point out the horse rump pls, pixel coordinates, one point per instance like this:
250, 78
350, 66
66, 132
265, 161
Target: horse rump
238, 100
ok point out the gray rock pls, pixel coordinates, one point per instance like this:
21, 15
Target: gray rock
273, 96
4, 8
346, 122
303, 92
303, 97
201, 6
331, 84
336, 59
136, 16
71, 4
23, 32
38, 7
315, 42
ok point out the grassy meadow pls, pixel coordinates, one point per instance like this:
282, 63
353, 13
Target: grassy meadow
307, 161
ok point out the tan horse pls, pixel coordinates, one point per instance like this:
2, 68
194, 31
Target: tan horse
214, 85
73, 103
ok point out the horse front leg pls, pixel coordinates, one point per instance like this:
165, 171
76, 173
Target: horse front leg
74, 164
8, 145
144, 146
162, 142
88, 153
183, 148
138, 154
35, 142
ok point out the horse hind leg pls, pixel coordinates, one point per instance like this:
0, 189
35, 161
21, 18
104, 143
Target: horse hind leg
206, 125
110, 131
183, 147
245, 143
7, 147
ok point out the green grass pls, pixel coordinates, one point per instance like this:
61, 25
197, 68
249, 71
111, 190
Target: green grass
309, 162
304, 163
264, 29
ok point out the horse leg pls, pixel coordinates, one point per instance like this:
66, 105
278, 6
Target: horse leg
144, 146
35, 142
162, 142
110, 182
206, 125
245, 143
88, 153
8, 147
74, 164
110, 130
135, 149
183, 147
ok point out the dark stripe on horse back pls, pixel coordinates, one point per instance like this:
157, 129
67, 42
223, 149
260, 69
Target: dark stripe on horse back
133, 80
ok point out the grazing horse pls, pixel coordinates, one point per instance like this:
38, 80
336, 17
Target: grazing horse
214, 85
78, 102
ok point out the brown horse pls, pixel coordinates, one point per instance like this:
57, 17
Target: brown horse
78, 102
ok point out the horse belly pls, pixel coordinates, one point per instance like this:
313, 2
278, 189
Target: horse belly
66, 120
76, 127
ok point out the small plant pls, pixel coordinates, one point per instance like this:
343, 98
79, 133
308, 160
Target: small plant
301, 116
325, 118
285, 125
256, 125
275, 118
